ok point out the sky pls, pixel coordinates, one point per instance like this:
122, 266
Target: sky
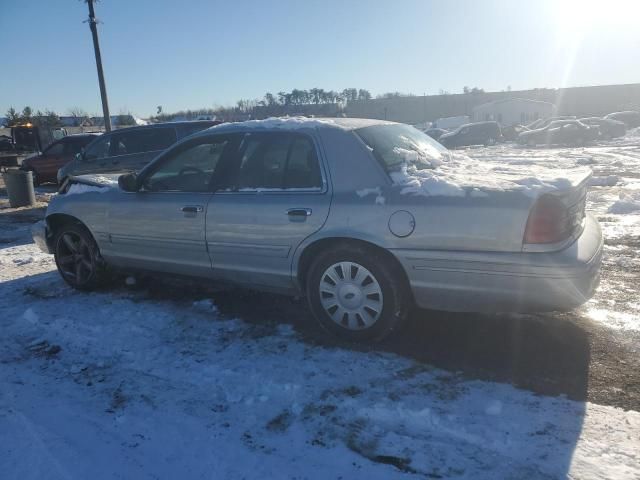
205, 53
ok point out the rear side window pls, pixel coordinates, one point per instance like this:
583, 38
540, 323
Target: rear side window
395, 145
278, 161
143, 140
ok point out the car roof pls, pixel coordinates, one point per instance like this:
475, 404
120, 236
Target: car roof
82, 135
295, 123
166, 124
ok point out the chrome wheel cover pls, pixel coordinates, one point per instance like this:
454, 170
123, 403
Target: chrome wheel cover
351, 295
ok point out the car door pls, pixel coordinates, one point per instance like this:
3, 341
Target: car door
135, 148
161, 227
279, 196
50, 160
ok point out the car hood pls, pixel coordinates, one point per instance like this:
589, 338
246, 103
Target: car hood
29, 158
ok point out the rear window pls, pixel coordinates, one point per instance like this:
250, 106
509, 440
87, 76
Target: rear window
397, 145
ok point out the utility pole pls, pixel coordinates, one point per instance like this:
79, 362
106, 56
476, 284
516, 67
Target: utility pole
96, 49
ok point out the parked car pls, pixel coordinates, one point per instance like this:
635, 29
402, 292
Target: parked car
435, 133
510, 133
480, 133
560, 132
630, 118
276, 206
451, 123
607, 128
543, 122
45, 166
129, 149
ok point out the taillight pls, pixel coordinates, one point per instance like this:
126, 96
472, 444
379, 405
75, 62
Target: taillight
549, 221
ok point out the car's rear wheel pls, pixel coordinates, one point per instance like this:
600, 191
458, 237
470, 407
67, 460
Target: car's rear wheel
78, 258
357, 293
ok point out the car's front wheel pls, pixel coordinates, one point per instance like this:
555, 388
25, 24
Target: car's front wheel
357, 293
78, 258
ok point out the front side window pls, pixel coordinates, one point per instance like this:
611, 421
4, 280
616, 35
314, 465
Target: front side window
144, 140
398, 145
278, 161
189, 169
98, 149
72, 147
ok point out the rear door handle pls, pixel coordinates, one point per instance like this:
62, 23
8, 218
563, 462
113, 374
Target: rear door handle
192, 208
299, 212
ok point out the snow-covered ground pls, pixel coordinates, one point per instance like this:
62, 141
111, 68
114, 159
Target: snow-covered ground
122, 384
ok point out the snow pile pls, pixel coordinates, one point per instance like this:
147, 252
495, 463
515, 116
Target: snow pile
18, 259
103, 179
459, 175
78, 188
377, 191
627, 321
606, 181
627, 203
288, 123
116, 382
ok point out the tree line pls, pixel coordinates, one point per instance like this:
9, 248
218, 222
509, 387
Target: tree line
50, 118
314, 96
280, 103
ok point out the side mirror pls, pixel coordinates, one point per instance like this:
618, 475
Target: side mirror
128, 182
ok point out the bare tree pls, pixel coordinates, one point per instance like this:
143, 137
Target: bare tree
78, 115
364, 94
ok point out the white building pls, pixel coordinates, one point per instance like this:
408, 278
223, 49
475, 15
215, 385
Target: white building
512, 111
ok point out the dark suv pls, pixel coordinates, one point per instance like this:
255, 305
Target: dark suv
129, 149
481, 133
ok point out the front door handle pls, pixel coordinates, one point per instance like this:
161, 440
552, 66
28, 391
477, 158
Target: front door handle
299, 212
192, 208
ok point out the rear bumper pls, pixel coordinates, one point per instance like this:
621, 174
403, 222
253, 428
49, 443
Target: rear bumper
39, 233
506, 282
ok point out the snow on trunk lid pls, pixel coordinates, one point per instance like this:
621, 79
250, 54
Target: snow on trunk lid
421, 166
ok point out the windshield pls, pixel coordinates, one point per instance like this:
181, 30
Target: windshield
395, 145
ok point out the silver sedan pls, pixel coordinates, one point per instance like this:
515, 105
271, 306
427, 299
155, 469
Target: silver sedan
364, 217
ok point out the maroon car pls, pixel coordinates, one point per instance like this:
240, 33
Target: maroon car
46, 164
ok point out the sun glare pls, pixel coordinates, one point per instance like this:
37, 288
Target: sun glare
576, 18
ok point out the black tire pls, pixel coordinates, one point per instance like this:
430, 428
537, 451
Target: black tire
396, 297
78, 258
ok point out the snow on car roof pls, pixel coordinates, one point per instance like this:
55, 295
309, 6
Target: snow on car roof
294, 123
